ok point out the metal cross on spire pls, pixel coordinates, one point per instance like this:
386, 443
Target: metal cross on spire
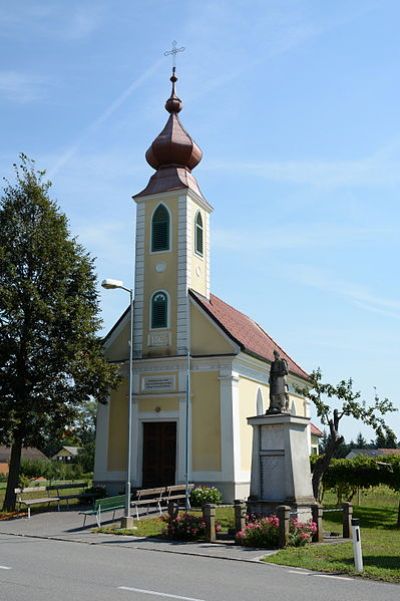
174, 51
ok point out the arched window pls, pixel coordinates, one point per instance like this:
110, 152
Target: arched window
160, 229
159, 310
198, 234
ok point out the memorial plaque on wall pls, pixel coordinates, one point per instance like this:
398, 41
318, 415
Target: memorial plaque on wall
158, 383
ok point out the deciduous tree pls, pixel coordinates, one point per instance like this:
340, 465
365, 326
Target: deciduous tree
50, 355
349, 405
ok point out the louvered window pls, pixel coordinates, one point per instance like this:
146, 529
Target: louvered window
198, 229
159, 310
160, 230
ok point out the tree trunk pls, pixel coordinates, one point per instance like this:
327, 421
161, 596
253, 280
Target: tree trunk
322, 464
13, 475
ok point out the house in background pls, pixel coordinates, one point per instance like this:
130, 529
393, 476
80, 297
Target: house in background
29, 453
372, 453
67, 454
316, 434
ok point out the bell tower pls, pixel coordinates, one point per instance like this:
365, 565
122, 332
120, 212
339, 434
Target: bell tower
172, 241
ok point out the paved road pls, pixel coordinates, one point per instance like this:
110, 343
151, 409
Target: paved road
42, 570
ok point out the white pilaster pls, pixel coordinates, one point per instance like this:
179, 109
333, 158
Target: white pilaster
184, 272
207, 255
139, 281
230, 425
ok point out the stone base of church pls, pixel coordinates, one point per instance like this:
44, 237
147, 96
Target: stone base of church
114, 487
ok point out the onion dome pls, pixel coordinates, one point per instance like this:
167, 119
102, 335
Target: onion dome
173, 146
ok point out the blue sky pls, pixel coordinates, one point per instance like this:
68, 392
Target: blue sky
296, 106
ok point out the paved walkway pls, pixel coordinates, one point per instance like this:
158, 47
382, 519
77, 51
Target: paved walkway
67, 526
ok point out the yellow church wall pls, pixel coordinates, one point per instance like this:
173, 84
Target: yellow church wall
117, 430
165, 280
248, 390
205, 337
149, 405
119, 350
206, 421
298, 403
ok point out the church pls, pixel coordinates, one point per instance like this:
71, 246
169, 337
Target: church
200, 366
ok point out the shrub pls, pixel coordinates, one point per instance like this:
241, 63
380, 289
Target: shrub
36, 468
185, 527
205, 494
264, 532
301, 533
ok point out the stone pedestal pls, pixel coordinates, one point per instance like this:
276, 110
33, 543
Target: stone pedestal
280, 472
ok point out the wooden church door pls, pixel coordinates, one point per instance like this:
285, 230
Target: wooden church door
159, 454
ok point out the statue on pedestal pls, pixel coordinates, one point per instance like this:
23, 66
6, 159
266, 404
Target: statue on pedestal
278, 387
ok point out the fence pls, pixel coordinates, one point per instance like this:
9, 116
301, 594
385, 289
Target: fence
284, 512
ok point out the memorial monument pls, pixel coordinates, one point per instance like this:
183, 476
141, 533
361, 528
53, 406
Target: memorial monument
280, 472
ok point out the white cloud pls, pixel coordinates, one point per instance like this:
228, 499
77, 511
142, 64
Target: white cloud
295, 236
21, 87
358, 294
369, 171
83, 23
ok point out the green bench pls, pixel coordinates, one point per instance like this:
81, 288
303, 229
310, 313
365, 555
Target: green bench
103, 506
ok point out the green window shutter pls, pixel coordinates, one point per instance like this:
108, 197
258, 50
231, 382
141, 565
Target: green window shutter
199, 234
160, 229
159, 310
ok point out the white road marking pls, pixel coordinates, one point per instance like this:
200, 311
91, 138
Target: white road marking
146, 592
331, 576
299, 572
5, 568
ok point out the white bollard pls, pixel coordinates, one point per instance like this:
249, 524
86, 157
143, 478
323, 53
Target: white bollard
358, 560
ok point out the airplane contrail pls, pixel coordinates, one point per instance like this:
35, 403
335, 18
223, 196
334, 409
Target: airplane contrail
65, 157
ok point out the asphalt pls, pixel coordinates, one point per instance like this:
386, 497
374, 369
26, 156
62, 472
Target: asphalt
33, 569
67, 526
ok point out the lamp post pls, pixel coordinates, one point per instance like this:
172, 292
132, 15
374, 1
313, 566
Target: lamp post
127, 520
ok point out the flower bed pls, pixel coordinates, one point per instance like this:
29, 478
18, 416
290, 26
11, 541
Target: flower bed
263, 532
185, 527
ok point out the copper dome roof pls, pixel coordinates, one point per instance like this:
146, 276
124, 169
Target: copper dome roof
173, 146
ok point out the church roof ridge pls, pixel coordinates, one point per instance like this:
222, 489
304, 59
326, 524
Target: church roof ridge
250, 336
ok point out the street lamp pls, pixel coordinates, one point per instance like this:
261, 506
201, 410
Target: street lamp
110, 284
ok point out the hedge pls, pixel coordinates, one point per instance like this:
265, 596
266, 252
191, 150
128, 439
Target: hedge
347, 475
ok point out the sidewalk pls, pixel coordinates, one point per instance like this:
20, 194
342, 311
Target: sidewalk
67, 526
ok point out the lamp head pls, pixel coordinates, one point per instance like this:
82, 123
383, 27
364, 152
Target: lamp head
110, 284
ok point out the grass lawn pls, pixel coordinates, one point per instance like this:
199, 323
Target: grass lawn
155, 526
380, 539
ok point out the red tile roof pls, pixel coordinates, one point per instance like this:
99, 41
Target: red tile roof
245, 332
315, 431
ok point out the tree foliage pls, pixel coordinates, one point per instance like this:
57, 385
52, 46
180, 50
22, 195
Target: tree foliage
50, 356
350, 405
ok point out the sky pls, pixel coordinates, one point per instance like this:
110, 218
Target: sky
295, 104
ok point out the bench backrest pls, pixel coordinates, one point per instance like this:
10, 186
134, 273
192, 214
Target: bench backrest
67, 486
110, 502
179, 488
29, 489
150, 493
